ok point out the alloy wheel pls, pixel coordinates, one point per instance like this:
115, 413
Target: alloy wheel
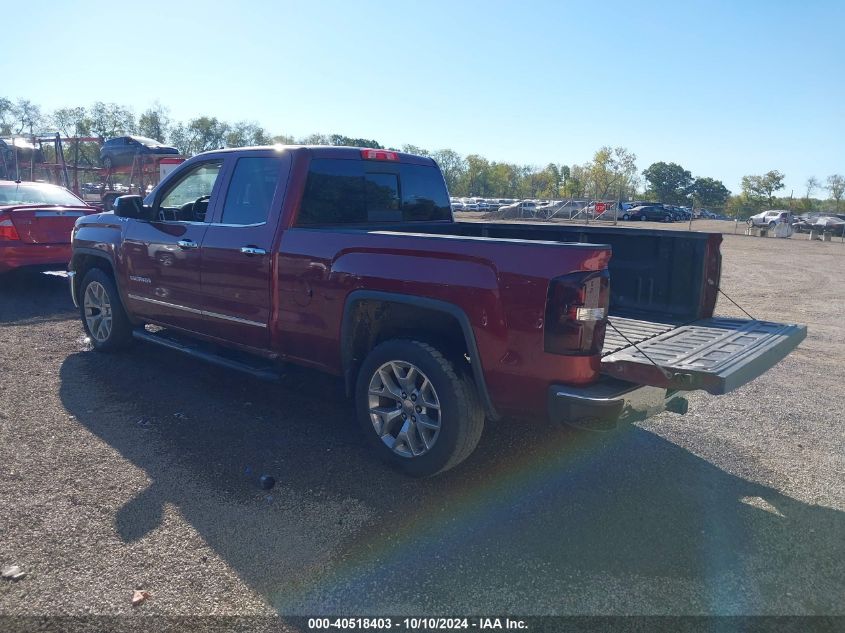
404, 408
98, 312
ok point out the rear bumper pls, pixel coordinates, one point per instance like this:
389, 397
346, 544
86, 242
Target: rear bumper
21, 254
608, 402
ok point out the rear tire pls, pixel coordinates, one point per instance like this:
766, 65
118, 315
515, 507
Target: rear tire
103, 317
626, 217
404, 382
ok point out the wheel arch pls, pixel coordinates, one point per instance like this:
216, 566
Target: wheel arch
370, 317
83, 260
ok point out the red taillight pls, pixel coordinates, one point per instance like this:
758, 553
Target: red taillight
576, 313
8, 231
378, 154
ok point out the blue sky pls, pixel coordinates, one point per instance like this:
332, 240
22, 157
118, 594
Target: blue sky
723, 88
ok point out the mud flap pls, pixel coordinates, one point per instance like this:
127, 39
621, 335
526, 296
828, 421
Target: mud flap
716, 355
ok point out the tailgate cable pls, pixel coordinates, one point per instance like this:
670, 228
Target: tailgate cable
665, 372
736, 304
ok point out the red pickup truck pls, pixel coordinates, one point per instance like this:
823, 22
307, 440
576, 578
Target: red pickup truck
349, 261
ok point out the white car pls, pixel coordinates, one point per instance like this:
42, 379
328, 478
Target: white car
769, 218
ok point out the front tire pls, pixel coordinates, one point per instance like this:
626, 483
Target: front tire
418, 411
626, 217
103, 317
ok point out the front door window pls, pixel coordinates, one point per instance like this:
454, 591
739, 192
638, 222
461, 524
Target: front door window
187, 200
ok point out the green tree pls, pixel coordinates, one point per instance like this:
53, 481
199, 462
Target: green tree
759, 189
155, 123
710, 192
836, 187
26, 117
565, 174
477, 176
415, 149
75, 122
576, 186
612, 171
245, 134
454, 168
316, 139
7, 116
503, 180
348, 141
199, 135
110, 119
668, 182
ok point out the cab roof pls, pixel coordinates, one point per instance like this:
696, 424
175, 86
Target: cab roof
328, 151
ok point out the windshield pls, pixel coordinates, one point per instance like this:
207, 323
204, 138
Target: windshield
150, 142
37, 194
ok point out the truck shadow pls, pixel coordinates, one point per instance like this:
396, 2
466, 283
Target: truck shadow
535, 522
30, 297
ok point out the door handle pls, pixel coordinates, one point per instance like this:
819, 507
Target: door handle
187, 244
252, 250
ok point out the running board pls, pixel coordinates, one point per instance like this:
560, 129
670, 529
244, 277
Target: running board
199, 350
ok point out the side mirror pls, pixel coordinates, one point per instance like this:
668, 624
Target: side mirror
132, 207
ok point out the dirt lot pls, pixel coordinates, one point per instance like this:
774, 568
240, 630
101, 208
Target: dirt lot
140, 471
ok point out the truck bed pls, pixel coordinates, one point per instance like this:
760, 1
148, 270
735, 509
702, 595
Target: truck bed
656, 275
663, 286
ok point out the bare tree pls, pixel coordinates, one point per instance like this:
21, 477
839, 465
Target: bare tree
836, 187
812, 185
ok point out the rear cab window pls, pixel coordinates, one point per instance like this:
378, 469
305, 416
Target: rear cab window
349, 191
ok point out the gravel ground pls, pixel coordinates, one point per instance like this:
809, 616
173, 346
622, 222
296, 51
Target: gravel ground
140, 471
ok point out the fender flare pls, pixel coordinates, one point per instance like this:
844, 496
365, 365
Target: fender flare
356, 296
99, 254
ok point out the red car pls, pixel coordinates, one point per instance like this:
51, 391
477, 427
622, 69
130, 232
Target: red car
36, 220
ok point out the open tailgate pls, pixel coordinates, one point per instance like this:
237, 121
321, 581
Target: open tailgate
717, 354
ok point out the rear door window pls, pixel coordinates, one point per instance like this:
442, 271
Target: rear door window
358, 192
251, 190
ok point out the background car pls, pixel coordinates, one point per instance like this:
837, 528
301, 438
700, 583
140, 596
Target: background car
121, 151
16, 154
36, 220
768, 218
822, 222
653, 213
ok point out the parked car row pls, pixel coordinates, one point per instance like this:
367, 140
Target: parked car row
481, 204
833, 223
656, 213
634, 210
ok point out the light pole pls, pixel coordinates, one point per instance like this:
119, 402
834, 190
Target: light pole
691, 196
